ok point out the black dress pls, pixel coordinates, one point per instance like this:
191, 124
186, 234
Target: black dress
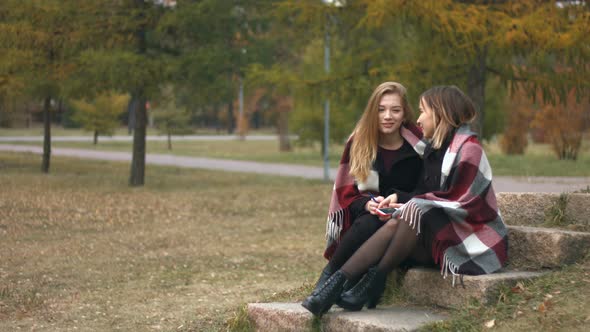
399, 170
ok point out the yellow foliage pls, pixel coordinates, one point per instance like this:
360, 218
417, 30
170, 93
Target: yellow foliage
514, 139
101, 114
564, 124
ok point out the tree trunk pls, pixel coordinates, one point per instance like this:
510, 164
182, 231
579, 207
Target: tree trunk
131, 119
283, 126
95, 137
169, 141
230, 118
138, 158
476, 85
46, 135
137, 175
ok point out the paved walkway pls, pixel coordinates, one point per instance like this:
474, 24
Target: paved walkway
501, 183
129, 138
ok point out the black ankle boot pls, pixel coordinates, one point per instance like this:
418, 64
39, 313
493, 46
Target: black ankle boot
326, 273
369, 288
347, 286
377, 290
326, 296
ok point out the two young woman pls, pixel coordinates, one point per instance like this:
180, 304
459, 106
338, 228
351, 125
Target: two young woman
450, 220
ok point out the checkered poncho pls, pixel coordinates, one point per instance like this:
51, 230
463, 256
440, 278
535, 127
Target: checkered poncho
470, 236
347, 189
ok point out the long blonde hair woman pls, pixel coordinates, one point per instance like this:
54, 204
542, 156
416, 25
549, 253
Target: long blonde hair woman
376, 161
367, 134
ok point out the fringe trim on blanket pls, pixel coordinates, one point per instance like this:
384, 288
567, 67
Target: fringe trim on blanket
447, 266
413, 215
334, 226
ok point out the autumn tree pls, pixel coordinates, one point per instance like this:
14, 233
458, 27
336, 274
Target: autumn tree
425, 43
169, 118
564, 124
39, 41
514, 140
101, 114
213, 40
130, 55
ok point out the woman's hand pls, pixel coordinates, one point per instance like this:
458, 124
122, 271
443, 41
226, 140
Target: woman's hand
390, 201
372, 204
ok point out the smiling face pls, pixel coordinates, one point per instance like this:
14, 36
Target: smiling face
391, 113
426, 119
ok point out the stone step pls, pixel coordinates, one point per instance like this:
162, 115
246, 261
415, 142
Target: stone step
532, 209
532, 248
427, 286
293, 317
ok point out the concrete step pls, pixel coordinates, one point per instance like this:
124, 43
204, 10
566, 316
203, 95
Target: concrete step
427, 286
293, 317
532, 248
532, 209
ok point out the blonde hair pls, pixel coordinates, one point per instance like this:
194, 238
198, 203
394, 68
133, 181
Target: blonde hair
366, 132
450, 107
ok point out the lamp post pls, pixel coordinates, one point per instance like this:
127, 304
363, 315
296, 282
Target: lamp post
336, 3
327, 107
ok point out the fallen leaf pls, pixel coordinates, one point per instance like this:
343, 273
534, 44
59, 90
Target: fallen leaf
490, 324
542, 307
518, 288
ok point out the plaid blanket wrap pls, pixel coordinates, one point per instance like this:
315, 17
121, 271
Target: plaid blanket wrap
347, 189
470, 236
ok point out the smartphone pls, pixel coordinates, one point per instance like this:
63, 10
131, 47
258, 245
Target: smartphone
386, 211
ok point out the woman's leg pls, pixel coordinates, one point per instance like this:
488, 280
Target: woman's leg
361, 230
401, 247
329, 292
388, 248
371, 252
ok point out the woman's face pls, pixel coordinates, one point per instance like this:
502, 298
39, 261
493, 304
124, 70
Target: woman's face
391, 113
426, 120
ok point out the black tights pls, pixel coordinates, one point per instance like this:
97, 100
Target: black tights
391, 245
363, 227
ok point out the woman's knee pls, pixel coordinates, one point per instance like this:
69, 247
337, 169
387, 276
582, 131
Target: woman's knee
392, 224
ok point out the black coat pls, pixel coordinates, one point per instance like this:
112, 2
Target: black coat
402, 176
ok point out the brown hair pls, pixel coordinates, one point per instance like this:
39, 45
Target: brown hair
366, 132
450, 107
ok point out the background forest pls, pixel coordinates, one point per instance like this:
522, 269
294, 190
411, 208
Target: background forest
236, 65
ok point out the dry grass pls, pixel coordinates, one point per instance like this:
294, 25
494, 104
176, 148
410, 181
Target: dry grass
81, 250
557, 301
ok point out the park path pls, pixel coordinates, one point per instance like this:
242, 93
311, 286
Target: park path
129, 138
501, 183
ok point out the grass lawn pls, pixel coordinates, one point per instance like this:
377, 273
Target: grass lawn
83, 251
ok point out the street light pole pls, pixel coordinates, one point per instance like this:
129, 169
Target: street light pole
335, 3
327, 107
